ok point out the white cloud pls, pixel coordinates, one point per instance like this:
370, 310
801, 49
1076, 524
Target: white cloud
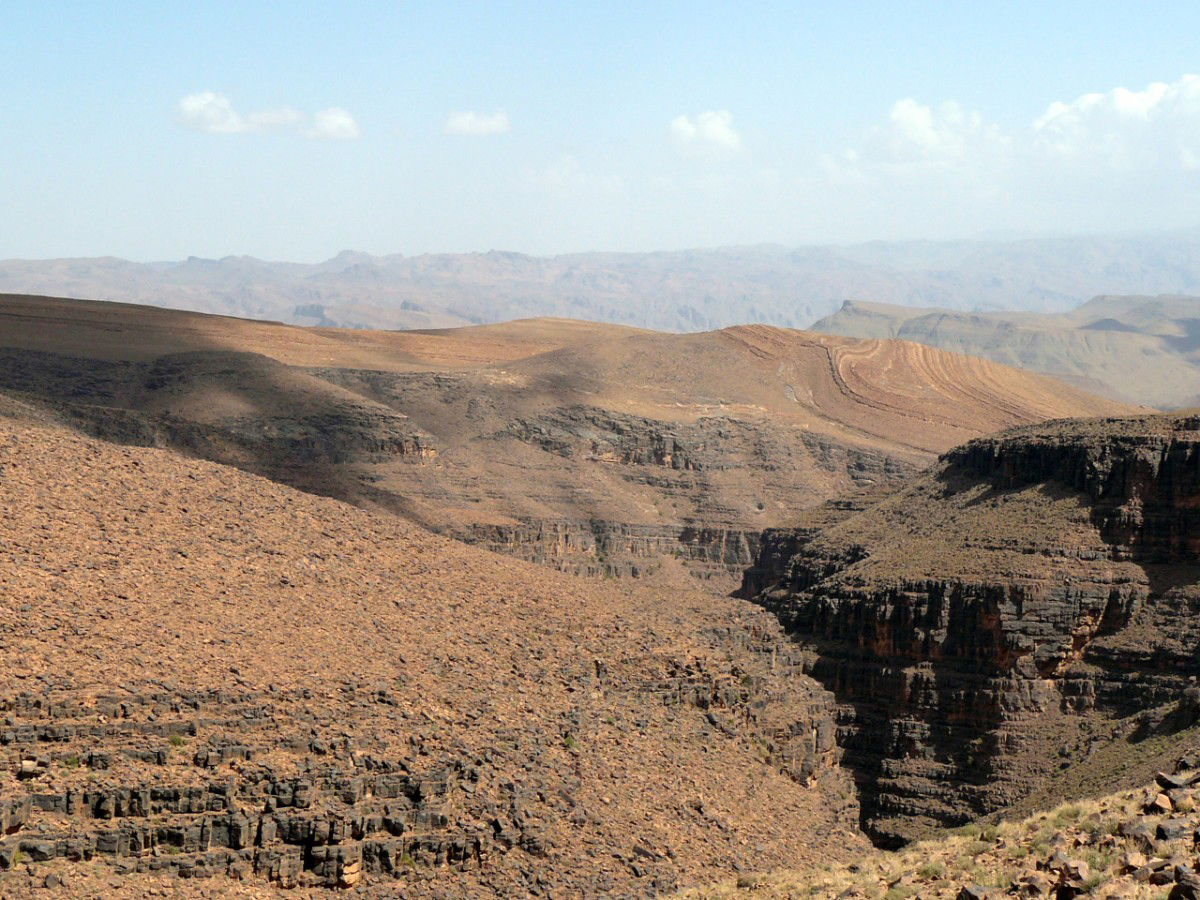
477, 124
214, 113
1124, 129
917, 133
1120, 130
1117, 159
712, 129
333, 124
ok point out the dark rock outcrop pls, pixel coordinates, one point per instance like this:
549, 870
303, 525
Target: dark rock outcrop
245, 783
1033, 596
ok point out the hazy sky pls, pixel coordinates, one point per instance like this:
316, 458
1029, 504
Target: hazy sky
291, 131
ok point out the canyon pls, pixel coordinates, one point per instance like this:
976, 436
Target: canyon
256, 625
595, 448
218, 679
1024, 605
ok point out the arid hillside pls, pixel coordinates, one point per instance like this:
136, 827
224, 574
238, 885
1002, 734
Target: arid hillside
1136, 349
1025, 606
1131, 845
595, 448
206, 673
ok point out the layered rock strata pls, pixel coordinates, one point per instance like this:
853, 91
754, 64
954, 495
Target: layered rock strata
701, 489
206, 673
617, 549
260, 786
1030, 599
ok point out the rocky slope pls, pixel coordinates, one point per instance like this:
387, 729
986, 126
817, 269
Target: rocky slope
207, 674
1133, 845
594, 448
1027, 602
1137, 349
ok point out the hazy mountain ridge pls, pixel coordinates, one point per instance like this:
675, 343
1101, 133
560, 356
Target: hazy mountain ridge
1137, 349
688, 290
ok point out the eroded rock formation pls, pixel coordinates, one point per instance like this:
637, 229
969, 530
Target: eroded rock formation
591, 448
1031, 598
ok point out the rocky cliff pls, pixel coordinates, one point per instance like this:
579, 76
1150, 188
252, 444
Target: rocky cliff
1030, 599
587, 447
619, 549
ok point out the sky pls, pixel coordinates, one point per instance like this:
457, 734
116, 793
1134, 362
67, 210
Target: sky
160, 130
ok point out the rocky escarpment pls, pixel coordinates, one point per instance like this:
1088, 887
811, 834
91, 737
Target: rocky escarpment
1029, 600
777, 546
702, 488
184, 784
599, 547
609, 450
1141, 476
285, 786
711, 443
281, 786
581, 488
241, 409
681, 461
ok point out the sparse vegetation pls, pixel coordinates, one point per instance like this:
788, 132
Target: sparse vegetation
1067, 814
469, 651
931, 870
985, 854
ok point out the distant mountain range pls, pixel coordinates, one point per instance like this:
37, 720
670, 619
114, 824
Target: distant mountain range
676, 291
1138, 349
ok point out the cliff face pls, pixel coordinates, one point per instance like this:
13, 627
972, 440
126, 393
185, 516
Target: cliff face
576, 486
619, 549
1144, 485
1031, 598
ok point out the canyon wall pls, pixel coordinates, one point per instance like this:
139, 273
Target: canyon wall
576, 486
1027, 601
618, 549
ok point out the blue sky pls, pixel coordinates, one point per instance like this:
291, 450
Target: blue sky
292, 131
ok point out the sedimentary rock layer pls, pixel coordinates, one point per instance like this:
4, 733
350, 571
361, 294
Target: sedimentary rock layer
591, 448
209, 674
1029, 599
